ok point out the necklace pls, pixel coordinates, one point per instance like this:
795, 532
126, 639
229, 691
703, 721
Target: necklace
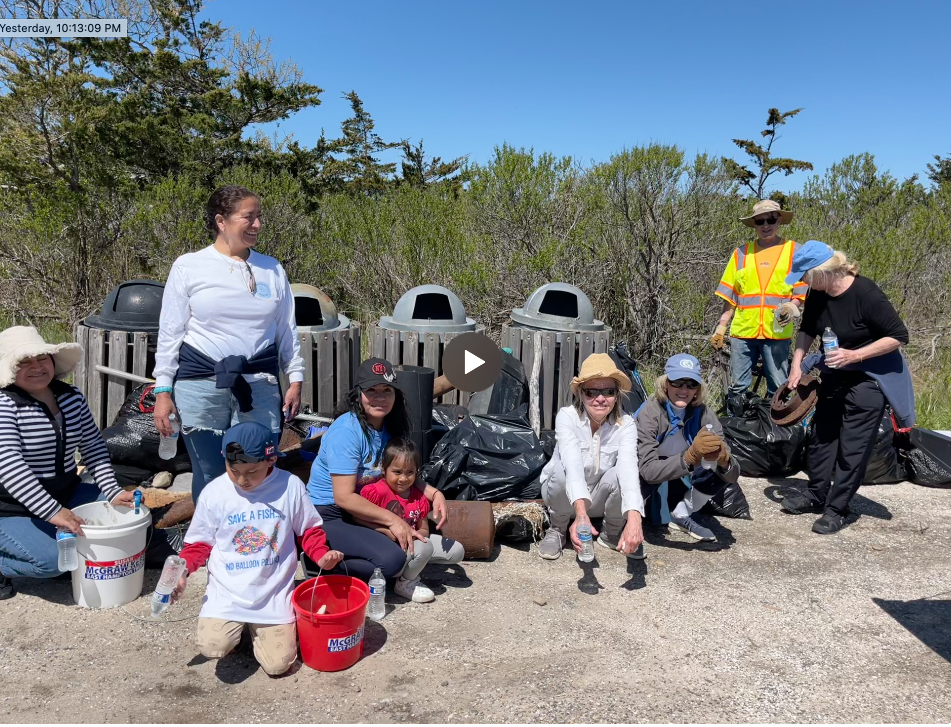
251, 282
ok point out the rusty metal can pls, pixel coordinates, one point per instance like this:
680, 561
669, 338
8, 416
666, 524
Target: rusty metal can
473, 525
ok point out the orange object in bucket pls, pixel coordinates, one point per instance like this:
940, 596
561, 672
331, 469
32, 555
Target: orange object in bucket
331, 641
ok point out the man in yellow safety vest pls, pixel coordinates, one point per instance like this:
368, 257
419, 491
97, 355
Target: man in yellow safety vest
754, 286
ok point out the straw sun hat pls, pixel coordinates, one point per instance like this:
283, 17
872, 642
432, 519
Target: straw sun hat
600, 366
764, 206
23, 342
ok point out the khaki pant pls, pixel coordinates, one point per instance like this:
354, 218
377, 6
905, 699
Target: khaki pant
605, 497
275, 645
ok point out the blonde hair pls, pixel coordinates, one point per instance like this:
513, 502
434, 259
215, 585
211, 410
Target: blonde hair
660, 391
837, 266
616, 413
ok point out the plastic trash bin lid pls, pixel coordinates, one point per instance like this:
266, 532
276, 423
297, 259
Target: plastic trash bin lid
134, 305
558, 307
428, 309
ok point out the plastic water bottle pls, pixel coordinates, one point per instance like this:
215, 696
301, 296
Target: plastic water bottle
168, 446
708, 464
587, 546
66, 545
830, 342
376, 610
171, 574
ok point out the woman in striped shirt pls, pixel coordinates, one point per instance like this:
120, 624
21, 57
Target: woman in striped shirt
43, 421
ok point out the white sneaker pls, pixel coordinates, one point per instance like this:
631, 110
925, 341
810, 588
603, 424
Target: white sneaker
413, 590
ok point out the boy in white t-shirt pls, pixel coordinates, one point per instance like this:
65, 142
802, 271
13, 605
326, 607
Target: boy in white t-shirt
244, 528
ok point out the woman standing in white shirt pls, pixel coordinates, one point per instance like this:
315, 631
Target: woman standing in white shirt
593, 471
226, 331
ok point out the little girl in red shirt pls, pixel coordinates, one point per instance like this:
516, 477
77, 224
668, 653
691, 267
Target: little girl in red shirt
399, 491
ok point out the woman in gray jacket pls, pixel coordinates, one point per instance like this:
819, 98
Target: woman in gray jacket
679, 438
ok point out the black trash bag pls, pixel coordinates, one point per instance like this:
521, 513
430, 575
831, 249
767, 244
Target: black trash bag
622, 359
507, 393
488, 458
763, 448
730, 502
128, 476
133, 440
928, 458
447, 416
884, 467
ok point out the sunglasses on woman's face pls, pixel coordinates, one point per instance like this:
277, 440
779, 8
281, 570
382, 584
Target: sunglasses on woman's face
595, 393
685, 384
766, 220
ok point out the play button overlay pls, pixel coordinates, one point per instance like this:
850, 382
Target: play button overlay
471, 362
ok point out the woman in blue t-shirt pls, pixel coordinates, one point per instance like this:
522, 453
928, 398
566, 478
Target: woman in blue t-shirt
350, 456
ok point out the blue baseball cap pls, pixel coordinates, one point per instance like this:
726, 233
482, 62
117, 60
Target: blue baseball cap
250, 442
683, 366
807, 257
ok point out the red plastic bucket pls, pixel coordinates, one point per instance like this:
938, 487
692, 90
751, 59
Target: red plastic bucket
333, 640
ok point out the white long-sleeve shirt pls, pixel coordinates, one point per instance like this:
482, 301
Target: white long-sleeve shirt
586, 456
208, 305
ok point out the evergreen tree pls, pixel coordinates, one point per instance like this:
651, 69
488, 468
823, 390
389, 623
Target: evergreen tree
940, 171
419, 172
351, 163
764, 163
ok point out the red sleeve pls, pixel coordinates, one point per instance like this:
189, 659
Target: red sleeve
195, 555
314, 543
371, 492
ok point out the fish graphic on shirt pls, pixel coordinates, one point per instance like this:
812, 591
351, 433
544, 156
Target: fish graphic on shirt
249, 540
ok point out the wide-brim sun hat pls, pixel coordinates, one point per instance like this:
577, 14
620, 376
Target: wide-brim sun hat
765, 206
600, 366
19, 343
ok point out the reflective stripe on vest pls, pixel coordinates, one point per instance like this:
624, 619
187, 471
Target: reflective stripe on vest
755, 312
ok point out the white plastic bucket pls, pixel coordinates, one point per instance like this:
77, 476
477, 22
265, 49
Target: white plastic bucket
111, 555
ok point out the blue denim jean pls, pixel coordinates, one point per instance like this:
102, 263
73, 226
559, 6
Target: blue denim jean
207, 412
745, 352
28, 544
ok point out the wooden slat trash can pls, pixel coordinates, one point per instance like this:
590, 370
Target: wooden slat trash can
113, 364
424, 320
554, 332
331, 359
561, 357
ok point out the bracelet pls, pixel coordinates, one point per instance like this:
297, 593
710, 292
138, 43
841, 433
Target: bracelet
162, 390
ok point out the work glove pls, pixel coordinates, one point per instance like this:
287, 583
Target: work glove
705, 444
787, 313
723, 459
716, 340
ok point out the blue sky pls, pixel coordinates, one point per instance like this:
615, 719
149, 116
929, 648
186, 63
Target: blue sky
588, 79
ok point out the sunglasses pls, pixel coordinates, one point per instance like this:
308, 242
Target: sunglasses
767, 220
252, 283
684, 384
595, 393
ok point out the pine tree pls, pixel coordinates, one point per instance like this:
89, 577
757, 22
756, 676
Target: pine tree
419, 172
351, 162
765, 164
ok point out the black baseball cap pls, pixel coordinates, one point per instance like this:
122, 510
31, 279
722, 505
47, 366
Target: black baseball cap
375, 371
249, 443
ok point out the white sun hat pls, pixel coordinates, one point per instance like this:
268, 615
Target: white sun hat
22, 342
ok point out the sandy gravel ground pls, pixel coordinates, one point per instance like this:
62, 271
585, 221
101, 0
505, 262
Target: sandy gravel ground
781, 625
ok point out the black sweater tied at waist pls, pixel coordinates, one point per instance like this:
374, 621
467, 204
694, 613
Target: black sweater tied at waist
229, 371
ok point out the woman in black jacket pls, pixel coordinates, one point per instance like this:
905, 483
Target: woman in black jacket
43, 421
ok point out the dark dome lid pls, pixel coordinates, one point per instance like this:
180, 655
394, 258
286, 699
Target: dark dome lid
134, 305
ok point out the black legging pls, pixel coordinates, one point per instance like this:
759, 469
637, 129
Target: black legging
364, 549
